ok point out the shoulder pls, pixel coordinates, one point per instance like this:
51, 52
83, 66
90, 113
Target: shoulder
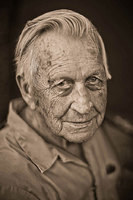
14, 163
119, 132
15, 193
20, 178
12, 159
118, 125
122, 123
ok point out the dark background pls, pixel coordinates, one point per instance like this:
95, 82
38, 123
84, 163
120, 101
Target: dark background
113, 20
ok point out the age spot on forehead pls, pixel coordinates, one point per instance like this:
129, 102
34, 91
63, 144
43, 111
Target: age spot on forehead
49, 63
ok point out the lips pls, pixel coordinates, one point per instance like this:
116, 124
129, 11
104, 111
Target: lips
79, 124
81, 121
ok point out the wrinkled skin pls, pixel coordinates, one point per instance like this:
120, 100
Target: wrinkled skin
69, 86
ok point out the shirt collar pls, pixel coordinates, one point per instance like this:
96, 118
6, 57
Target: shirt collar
41, 153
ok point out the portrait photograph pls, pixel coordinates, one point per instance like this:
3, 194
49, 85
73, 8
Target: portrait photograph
66, 100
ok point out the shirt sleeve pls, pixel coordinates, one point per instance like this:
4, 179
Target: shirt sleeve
15, 193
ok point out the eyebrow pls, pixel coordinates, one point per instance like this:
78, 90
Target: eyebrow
60, 78
97, 72
56, 79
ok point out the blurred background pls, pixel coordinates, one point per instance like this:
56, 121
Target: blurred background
114, 21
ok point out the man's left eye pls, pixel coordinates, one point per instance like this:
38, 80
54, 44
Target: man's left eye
94, 83
93, 80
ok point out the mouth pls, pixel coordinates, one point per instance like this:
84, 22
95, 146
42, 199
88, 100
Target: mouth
79, 124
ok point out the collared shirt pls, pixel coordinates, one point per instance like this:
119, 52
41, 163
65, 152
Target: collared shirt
31, 168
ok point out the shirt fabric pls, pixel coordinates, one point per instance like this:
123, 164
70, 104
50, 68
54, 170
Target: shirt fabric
31, 168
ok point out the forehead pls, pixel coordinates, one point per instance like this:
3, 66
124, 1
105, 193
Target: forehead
56, 52
57, 42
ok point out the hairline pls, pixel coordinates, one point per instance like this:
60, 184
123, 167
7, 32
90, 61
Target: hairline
29, 50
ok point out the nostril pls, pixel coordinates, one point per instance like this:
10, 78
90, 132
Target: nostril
110, 168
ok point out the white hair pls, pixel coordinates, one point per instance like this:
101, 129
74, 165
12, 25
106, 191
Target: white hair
64, 21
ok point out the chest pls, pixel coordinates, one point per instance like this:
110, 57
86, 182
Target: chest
67, 181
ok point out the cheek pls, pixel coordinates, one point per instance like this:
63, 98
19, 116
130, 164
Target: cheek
42, 103
60, 106
99, 99
51, 105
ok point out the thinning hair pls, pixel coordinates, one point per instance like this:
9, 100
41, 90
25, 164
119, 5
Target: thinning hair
63, 21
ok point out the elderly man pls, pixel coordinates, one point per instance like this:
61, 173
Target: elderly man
54, 145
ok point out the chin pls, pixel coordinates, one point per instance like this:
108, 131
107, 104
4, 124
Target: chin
78, 137
79, 132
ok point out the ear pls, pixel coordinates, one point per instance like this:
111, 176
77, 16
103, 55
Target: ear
26, 91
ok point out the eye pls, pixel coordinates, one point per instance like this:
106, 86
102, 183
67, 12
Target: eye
93, 83
65, 84
63, 87
93, 80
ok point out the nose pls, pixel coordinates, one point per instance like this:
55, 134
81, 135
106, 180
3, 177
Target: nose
81, 99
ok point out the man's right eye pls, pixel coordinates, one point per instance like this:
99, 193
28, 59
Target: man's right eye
64, 85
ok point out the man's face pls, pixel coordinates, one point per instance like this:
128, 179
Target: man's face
70, 86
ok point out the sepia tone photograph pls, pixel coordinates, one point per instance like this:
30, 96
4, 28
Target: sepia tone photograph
66, 100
